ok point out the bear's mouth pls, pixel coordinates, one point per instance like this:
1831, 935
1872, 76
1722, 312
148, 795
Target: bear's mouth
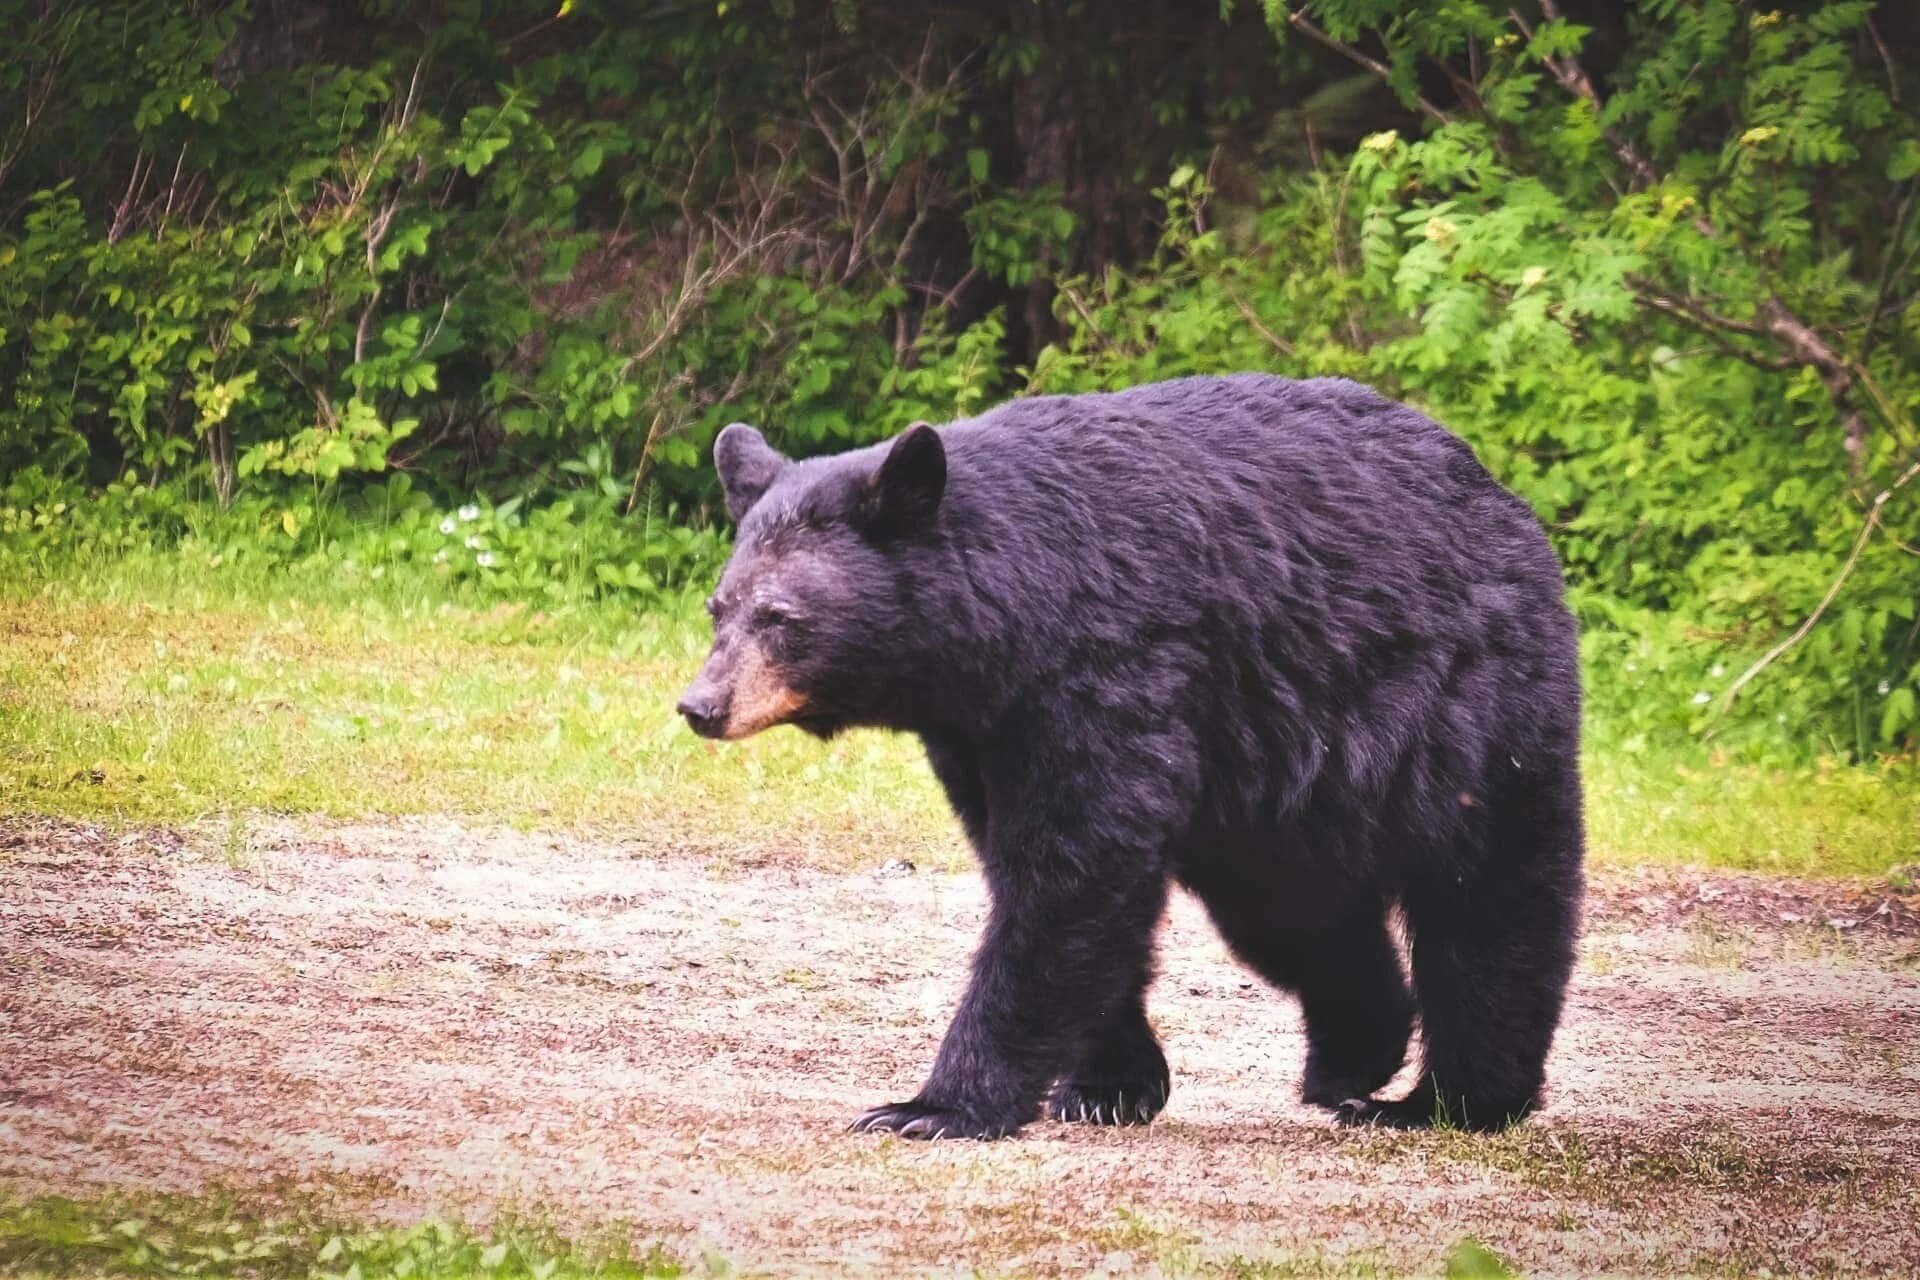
775, 706
758, 697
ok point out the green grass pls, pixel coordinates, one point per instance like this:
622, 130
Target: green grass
170, 689
1176, 1252
210, 1236
1686, 809
213, 1236
165, 691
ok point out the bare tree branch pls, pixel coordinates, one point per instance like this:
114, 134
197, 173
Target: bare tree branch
1804, 347
1886, 60
52, 47
361, 329
943, 299
1888, 271
1715, 327
173, 187
136, 188
868, 196
1573, 78
646, 455
1248, 314
1695, 311
1298, 20
1846, 571
726, 251
1836, 372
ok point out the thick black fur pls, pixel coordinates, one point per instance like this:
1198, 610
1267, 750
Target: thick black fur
1284, 643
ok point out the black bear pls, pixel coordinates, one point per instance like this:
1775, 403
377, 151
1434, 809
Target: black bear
1284, 642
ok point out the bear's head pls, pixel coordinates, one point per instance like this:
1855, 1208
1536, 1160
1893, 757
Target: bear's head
814, 617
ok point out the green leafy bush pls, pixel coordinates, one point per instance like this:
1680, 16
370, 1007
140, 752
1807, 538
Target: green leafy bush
571, 549
1690, 474
306, 287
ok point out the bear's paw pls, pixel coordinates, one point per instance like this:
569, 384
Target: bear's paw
1424, 1111
928, 1122
1107, 1102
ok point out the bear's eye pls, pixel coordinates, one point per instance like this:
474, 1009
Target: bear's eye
771, 617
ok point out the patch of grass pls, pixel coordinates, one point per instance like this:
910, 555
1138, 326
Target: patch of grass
1470, 1259
1715, 947
1619, 1170
158, 691
1827, 819
171, 688
1131, 1231
209, 1236
1133, 1238
1135, 1242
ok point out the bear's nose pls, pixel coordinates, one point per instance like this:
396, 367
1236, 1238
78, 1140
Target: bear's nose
704, 713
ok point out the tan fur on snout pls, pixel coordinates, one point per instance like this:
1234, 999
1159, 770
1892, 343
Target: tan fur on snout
761, 696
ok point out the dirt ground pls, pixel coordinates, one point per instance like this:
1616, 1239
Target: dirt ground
420, 1017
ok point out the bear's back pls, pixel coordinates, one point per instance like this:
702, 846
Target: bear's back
1322, 468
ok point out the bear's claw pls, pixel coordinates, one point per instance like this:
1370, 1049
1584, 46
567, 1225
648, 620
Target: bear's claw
1073, 1102
927, 1123
1424, 1111
1368, 1113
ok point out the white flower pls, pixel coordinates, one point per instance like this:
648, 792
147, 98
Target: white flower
1884, 687
484, 559
469, 512
1702, 698
440, 556
446, 526
473, 541
1633, 666
1719, 669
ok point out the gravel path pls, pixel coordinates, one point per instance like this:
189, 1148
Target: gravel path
421, 1017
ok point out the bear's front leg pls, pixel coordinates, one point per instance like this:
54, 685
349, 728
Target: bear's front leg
1068, 934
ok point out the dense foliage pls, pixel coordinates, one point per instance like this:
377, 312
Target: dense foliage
475, 284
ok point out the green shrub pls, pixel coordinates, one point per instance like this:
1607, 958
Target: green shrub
307, 306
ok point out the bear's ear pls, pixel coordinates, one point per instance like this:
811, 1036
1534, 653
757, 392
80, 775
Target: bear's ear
906, 490
747, 465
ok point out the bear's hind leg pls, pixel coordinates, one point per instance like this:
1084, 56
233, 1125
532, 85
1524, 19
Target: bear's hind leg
1359, 1013
1347, 975
1121, 1077
1493, 938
